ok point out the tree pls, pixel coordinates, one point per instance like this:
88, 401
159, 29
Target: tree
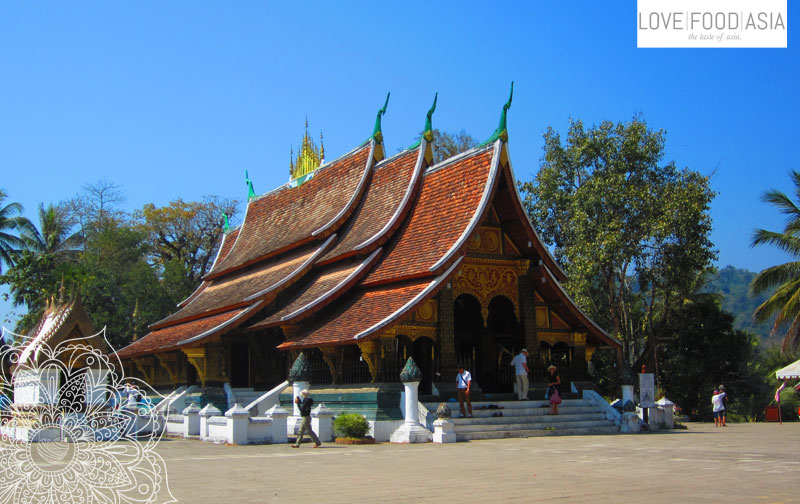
631, 233
186, 232
54, 235
702, 350
11, 220
97, 207
447, 145
782, 280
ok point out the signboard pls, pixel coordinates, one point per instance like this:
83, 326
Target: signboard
647, 390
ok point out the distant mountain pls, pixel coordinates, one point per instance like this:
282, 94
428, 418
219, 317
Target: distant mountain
733, 284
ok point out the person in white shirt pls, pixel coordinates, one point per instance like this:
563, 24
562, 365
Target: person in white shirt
464, 383
520, 363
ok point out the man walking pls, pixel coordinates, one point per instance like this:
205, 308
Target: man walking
464, 383
304, 405
520, 363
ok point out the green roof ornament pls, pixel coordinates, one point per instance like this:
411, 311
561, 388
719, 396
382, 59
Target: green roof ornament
502, 132
225, 225
377, 134
427, 133
251, 193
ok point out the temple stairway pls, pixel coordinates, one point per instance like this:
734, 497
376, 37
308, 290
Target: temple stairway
506, 419
244, 396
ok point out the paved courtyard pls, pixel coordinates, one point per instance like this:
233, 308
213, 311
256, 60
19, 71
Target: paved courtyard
746, 463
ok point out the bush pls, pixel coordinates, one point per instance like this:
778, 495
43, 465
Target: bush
351, 425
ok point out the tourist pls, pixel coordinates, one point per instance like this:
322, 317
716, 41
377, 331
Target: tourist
520, 363
716, 406
304, 405
464, 383
723, 399
553, 389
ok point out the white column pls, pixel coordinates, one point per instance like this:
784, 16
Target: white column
411, 431
322, 422
207, 412
191, 421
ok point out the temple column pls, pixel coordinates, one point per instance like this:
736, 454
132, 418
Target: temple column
527, 311
447, 338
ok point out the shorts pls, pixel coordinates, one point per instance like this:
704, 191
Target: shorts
719, 414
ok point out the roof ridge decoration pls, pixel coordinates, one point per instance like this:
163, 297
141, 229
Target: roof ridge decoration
502, 131
377, 133
226, 227
251, 193
427, 132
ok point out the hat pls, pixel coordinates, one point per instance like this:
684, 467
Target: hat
722, 388
525, 350
551, 366
304, 392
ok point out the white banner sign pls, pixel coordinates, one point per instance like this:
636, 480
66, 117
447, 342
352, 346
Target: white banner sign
711, 23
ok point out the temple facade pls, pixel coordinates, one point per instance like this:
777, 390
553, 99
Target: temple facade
366, 260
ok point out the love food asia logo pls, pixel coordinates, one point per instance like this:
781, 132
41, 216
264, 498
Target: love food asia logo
711, 23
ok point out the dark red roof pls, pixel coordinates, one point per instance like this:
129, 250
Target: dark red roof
164, 339
448, 201
386, 192
289, 216
225, 247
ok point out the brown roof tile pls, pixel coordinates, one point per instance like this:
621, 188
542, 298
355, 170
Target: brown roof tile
367, 309
168, 337
449, 198
287, 216
385, 193
232, 290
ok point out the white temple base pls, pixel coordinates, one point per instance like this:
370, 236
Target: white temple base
411, 433
443, 431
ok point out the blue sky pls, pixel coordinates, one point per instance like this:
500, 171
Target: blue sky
178, 99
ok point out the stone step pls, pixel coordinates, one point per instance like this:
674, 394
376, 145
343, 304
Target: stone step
539, 419
528, 412
524, 433
567, 424
513, 404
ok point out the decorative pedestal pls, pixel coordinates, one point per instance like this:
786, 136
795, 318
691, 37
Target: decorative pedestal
279, 417
293, 422
631, 424
191, 421
411, 431
443, 431
205, 414
627, 394
322, 422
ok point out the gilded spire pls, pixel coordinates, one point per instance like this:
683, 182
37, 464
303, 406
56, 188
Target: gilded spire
309, 156
321, 149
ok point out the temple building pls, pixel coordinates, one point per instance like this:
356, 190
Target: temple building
365, 260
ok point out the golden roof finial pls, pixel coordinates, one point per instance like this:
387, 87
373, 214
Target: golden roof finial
309, 156
321, 149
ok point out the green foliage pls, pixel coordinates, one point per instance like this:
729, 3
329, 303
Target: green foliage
115, 261
702, 350
351, 425
733, 285
783, 280
609, 208
12, 224
447, 145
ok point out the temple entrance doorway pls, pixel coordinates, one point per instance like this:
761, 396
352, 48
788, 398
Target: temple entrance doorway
468, 331
508, 339
240, 365
422, 352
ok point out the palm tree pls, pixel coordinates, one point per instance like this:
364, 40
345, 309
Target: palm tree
10, 221
53, 235
784, 279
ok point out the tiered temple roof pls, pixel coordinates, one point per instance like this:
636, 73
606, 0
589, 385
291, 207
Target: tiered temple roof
357, 246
